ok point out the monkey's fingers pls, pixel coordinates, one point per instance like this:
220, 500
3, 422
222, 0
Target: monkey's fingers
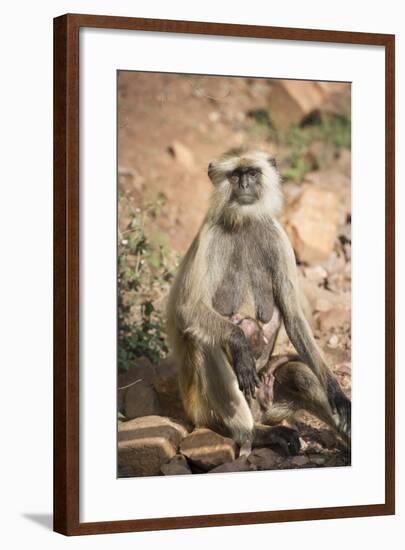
344, 411
243, 382
247, 383
341, 407
252, 383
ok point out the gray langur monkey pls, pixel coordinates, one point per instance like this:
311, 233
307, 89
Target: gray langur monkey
241, 264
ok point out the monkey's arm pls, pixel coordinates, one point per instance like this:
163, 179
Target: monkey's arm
211, 329
285, 288
297, 327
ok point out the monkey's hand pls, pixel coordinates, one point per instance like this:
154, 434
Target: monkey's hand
244, 365
341, 406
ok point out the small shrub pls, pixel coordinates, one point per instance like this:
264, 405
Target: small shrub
145, 270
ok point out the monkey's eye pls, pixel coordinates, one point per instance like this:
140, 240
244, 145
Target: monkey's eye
253, 172
233, 177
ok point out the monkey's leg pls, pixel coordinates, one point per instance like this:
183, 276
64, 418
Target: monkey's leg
211, 394
295, 387
279, 437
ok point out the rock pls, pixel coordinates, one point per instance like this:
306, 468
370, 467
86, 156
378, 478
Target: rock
323, 305
142, 370
141, 399
313, 292
336, 182
146, 443
334, 318
345, 233
327, 439
320, 154
338, 460
241, 464
214, 116
345, 369
334, 263
312, 224
167, 387
291, 191
316, 273
344, 162
299, 461
166, 380
207, 449
125, 471
347, 249
337, 102
182, 154
318, 459
333, 341
176, 466
291, 101
265, 459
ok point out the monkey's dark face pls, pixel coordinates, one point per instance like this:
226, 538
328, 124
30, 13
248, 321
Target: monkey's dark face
246, 184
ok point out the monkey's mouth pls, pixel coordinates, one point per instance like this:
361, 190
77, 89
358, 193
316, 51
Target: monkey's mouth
246, 198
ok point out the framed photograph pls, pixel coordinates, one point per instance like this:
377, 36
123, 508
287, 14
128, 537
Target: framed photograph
223, 274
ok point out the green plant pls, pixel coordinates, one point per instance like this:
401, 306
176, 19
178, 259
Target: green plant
144, 274
297, 169
332, 130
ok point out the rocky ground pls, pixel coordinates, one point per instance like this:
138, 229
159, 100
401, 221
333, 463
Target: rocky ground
169, 129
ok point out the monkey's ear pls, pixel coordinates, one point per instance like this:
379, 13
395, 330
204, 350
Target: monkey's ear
272, 162
211, 171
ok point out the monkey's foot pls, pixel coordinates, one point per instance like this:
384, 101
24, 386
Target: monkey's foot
283, 440
245, 448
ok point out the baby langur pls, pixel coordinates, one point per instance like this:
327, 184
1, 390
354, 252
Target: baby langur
242, 263
287, 386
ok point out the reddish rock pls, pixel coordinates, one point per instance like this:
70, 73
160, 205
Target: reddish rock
315, 273
299, 461
141, 371
141, 399
208, 449
291, 101
241, 464
176, 466
265, 459
334, 318
145, 444
312, 224
167, 386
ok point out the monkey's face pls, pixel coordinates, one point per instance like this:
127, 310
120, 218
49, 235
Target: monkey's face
246, 184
